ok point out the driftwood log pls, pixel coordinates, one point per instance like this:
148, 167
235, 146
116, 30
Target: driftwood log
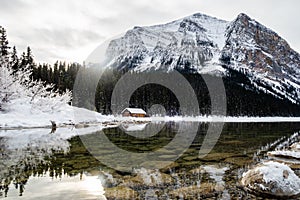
53, 126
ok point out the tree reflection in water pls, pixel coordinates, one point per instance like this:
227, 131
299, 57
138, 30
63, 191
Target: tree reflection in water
36, 155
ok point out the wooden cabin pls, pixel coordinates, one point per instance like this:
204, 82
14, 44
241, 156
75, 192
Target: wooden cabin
133, 112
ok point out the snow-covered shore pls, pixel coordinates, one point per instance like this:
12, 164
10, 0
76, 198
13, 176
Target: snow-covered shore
66, 115
24, 117
22, 113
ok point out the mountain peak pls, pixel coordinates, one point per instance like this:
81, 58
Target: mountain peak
204, 16
199, 15
243, 16
243, 20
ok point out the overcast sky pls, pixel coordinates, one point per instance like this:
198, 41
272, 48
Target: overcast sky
71, 29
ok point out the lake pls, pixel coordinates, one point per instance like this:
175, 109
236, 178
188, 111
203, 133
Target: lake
123, 162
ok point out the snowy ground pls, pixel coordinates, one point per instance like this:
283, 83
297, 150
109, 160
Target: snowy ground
23, 116
15, 120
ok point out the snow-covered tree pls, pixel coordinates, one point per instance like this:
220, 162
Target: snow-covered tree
18, 88
10, 87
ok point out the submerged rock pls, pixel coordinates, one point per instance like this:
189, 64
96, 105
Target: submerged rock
205, 190
120, 192
272, 178
147, 178
217, 156
239, 161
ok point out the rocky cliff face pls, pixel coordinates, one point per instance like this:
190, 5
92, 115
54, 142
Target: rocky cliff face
263, 56
207, 45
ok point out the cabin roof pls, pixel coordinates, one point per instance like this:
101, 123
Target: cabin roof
135, 111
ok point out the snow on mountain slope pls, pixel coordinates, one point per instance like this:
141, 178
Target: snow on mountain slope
207, 45
193, 42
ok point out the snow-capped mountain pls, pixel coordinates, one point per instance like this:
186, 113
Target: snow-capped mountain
193, 43
207, 45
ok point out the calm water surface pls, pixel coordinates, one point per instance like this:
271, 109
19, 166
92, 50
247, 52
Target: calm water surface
35, 164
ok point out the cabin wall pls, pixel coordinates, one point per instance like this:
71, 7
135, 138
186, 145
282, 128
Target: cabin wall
126, 114
137, 115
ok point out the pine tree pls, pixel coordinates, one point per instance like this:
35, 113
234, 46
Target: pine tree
4, 48
55, 74
29, 58
14, 60
23, 62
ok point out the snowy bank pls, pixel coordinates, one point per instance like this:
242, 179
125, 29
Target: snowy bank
22, 116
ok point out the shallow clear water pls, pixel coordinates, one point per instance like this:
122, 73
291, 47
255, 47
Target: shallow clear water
50, 167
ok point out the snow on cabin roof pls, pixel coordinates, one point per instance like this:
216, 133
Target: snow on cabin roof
135, 111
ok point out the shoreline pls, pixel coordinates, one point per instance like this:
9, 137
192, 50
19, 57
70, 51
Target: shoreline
115, 121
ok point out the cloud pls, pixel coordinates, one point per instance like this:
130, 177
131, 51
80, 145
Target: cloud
70, 30
8, 6
65, 37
